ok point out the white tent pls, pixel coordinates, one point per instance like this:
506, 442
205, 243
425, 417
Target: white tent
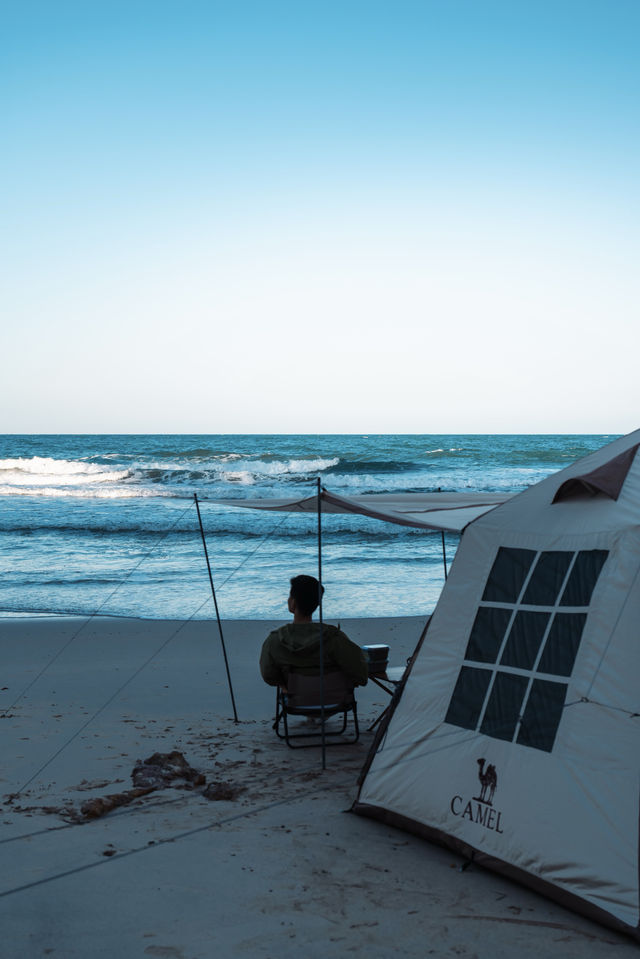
516, 736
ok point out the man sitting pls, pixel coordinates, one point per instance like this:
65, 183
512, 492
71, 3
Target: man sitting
297, 645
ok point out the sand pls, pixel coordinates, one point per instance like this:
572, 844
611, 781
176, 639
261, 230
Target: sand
276, 867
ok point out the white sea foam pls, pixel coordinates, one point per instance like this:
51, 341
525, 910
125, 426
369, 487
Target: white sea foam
240, 476
46, 476
43, 471
312, 466
46, 464
127, 492
441, 449
232, 468
294, 467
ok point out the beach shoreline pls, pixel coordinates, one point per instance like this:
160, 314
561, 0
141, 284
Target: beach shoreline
273, 868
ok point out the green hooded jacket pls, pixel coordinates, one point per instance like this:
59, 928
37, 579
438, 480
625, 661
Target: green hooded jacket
298, 645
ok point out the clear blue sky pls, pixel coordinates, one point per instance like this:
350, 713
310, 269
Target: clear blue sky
320, 217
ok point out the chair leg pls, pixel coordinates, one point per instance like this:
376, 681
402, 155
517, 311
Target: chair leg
281, 714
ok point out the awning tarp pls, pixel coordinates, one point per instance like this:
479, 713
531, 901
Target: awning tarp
447, 512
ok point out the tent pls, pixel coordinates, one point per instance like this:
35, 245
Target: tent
515, 738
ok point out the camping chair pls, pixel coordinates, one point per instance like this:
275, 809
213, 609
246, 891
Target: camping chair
303, 698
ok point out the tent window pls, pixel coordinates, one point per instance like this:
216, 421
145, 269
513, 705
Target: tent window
525, 639
487, 634
468, 697
584, 575
547, 578
507, 575
528, 643
542, 714
562, 644
503, 709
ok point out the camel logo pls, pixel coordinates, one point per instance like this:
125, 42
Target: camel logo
479, 809
488, 782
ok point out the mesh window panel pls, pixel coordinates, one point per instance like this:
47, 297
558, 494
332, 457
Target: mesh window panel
583, 578
542, 714
547, 578
524, 639
503, 708
507, 575
487, 634
562, 644
468, 697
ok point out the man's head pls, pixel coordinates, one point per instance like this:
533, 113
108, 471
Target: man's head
304, 595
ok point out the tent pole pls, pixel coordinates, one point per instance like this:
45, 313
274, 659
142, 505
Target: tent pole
215, 603
444, 557
324, 745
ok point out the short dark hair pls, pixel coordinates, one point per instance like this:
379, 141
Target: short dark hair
305, 592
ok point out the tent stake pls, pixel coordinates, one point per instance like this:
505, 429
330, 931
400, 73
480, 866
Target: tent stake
215, 603
324, 745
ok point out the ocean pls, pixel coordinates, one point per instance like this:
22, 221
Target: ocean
108, 525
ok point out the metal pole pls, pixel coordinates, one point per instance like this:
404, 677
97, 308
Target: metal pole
324, 745
444, 557
215, 603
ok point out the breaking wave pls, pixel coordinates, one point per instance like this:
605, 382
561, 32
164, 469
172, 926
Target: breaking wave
79, 493
43, 470
46, 476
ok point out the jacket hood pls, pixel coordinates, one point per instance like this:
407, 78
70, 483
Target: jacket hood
298, 636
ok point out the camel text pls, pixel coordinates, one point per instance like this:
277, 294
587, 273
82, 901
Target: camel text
476, 812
